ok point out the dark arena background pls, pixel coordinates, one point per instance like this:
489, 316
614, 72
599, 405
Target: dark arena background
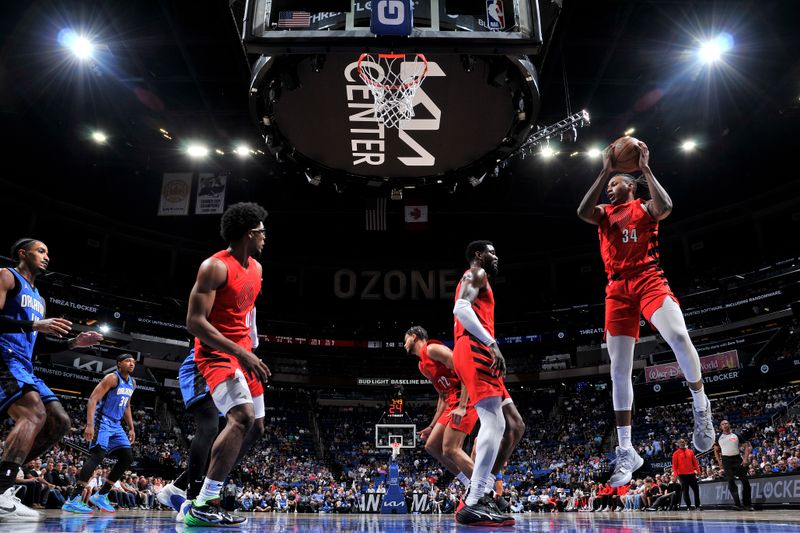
128, 127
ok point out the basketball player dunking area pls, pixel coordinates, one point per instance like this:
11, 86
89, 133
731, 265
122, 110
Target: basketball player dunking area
39, 418
108, 404
480, 365
219, 305
454, 418
628, 232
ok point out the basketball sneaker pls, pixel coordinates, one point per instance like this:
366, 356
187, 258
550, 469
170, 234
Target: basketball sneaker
171, 496
483, 513
76, 505
209, 514
101, 502
703, 436
13, 510
183, 510
627, 462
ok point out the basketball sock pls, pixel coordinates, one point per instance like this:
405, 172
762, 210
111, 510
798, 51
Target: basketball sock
493, 424
620, 351
668, 319
8, 473
193, 488
77, 490
182, 481
699, 399
462, 477
210, 490
106, 488
490, 479
624, 435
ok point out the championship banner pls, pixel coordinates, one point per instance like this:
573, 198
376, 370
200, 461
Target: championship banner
175, 190
710, 363
210, 194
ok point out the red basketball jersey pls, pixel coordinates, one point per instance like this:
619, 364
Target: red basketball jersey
234, 301
628, 239
443, 379
483, 307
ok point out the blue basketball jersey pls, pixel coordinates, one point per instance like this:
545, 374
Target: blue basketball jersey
27, 305
112, 406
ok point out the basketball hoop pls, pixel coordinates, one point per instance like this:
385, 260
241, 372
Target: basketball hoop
395, 449
393, 80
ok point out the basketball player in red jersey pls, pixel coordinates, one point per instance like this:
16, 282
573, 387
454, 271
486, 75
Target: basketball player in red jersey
221, 300
628, 230
480, 365
454, 418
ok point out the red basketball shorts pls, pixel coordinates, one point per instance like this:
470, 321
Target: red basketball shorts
472, 362
217, 367
628, 299
468, 421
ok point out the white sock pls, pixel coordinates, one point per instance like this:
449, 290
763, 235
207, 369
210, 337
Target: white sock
493, 424
462, 477
490, 479
699, 399
210, 491
624, 434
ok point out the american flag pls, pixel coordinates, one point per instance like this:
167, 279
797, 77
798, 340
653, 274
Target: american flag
376, 214
294, 19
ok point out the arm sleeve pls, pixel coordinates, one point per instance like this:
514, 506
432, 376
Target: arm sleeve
466, 315
11, 325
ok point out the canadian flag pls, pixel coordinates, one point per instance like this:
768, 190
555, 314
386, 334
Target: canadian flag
416, 217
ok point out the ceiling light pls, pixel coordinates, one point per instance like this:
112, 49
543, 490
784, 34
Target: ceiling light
547, 152
688, 145
99, 137
197, 150
594, 152
242, 150
712, 50
630, 131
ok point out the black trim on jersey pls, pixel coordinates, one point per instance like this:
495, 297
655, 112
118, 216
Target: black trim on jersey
482, 362
479, 350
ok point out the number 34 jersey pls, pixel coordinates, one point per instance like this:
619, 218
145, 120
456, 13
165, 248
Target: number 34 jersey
628, 239
112, 406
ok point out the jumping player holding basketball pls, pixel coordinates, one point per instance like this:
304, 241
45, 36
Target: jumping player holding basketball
221, 300
628, 230
480, 365
454, 418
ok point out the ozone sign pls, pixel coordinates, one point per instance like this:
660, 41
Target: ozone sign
326, 119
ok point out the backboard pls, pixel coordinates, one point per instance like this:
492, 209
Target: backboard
405, 434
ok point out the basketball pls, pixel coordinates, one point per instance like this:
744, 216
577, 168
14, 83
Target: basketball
625, 154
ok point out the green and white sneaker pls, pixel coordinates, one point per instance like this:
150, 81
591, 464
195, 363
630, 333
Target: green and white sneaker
209, 514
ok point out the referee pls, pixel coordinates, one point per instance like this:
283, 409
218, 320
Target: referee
727, 452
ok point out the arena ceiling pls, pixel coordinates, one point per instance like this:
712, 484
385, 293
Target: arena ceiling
179, 66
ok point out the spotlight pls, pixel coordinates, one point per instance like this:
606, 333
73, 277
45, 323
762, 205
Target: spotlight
99, 137
80, 45
547, 152
712, 50
197, 150
475, 181
104, 328
688, 146
313, 180
220, 152
242, 150
630, 131
594, 152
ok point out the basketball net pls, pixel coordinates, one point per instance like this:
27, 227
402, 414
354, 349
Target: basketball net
395, 449
393, 81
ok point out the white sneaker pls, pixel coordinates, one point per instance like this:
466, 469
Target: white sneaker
13, 510
703, 436
183, 510
171, 496
628, 462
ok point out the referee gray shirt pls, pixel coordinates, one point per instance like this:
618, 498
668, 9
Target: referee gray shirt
729, 444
